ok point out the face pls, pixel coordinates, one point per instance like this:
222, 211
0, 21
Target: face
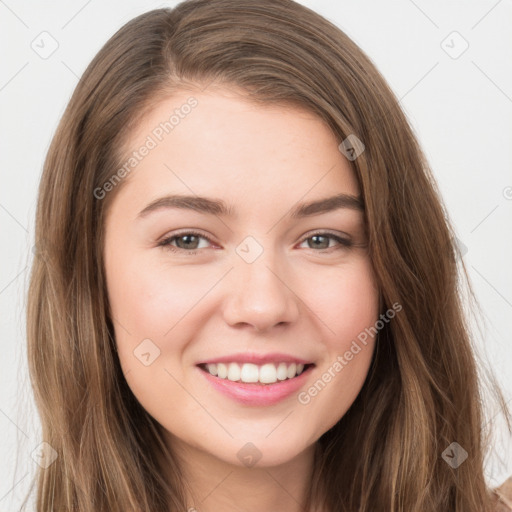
254, 282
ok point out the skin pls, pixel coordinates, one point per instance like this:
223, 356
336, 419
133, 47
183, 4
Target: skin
296, 297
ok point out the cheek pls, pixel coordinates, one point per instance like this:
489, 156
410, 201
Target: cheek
149, 299
345, 302
155, 309
348, 307
147, 303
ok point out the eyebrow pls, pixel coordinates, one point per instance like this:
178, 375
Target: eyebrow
218, 207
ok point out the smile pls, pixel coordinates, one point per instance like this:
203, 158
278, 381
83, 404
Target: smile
255, 385
250, 373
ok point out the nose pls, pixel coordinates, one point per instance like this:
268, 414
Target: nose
259, 296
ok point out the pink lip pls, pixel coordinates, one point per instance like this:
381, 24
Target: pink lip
259, 359
257, 394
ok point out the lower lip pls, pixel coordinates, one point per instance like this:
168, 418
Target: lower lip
257, 394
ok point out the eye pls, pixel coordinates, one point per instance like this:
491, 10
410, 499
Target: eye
321, 241
187, 242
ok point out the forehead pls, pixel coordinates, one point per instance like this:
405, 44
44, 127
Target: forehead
218, 143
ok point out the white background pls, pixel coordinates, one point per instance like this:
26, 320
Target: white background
460, 108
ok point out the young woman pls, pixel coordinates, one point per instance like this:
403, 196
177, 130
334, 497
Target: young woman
246, 295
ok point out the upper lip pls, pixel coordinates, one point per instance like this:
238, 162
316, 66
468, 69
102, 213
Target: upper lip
258, 359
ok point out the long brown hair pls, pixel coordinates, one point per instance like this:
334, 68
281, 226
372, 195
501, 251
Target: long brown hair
423, 390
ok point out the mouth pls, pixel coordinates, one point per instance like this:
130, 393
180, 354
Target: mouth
255, 385
250, 373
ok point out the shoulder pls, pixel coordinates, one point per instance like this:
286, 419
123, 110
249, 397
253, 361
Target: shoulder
503, 496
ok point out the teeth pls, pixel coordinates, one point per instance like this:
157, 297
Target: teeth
268, 374
249, 373
282, 371
233, 372
222, 370
252, 373
292, 370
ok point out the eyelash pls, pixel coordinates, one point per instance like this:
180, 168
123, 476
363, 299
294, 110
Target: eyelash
166, 242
